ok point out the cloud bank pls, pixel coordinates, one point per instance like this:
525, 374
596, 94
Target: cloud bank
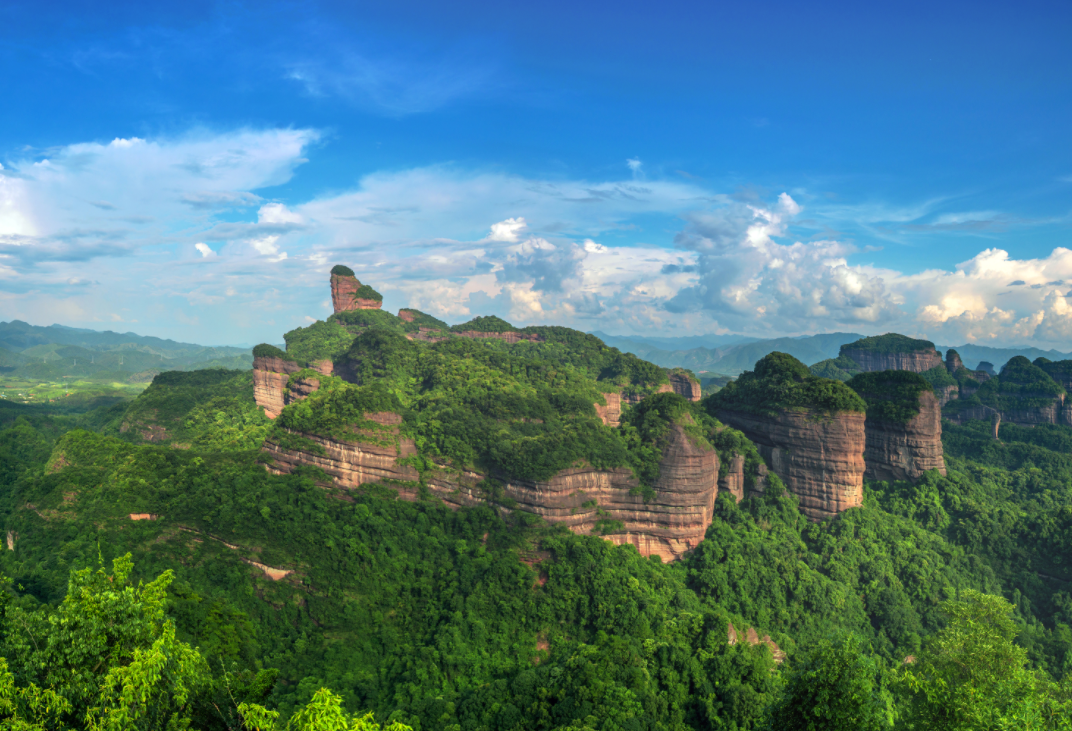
182, 232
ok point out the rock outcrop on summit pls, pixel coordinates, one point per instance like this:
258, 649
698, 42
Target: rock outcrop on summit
347, 292
893, 352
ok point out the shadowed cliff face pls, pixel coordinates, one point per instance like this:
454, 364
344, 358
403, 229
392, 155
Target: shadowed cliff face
896, 451
916, 361
819, 457
509, 336
343, 289
586, 500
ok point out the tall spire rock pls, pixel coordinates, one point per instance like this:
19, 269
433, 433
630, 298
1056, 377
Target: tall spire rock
347, 292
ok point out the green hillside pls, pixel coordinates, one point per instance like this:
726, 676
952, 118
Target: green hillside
441, 620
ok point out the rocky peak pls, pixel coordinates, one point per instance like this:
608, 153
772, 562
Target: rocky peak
347, 292
953, 361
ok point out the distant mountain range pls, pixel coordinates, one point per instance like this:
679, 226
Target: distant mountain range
46, 353
731, 355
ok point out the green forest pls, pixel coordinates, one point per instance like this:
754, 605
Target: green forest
156, 575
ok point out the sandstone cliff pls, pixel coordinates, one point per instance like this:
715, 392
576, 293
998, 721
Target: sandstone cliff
893, 352
587, 500
510, 336
611, 413
916, 361
685, 385
896, 451
346, 294
953, 361
270, 376
819, 457
733, 481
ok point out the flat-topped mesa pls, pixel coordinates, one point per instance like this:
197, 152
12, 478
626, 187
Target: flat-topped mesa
903, 426
347, 292
810, 430
1025, 394
893, 352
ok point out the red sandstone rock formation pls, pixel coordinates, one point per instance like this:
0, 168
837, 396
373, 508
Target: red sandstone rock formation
683, 385
611, 414
945, 394
733, 481
905, 451
916, 361
1055, 412
819, 457
270, 376
953, 361
342, 295
584, 499
406, 315
510, 336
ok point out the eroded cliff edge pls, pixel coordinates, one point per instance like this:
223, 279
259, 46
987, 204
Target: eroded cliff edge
903, 427
809, 429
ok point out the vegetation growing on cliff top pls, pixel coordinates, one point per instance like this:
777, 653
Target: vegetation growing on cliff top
891, 396
1058, 370
1021, 385
889, 343
365, 292
939, 377
264, 350
211, 409
780, 382
485, 324
841, 368
340, 270
429, 616
423, 319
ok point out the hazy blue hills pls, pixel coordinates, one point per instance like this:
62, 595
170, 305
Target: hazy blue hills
734, 354
56, 351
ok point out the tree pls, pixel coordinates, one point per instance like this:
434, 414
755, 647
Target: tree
972, 675
834, 686
323, 713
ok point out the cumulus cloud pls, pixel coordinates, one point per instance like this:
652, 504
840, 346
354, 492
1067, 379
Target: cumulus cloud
206, 252
508, 230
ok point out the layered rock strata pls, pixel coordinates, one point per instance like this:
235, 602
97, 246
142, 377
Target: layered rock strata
270, 376
510, 336
343, 289
916, 361
587, 500
684, 385
819, 457
733, 481
945, 394
953, 361
611, 413
1055, 412
895, 451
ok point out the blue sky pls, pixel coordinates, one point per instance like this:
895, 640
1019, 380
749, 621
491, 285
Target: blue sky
682, 168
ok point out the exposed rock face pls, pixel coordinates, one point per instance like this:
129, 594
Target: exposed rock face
905, 451
1053, 413
685, 386
611, 414
636, 398
916, 361
820, 458
406, 315
953, 361
975, 412
343, 289
351, 463
585, 499
270, 376
733, 481
945, 394
510, 336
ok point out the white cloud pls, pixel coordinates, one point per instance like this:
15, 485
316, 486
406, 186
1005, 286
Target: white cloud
205, 250
508, 230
